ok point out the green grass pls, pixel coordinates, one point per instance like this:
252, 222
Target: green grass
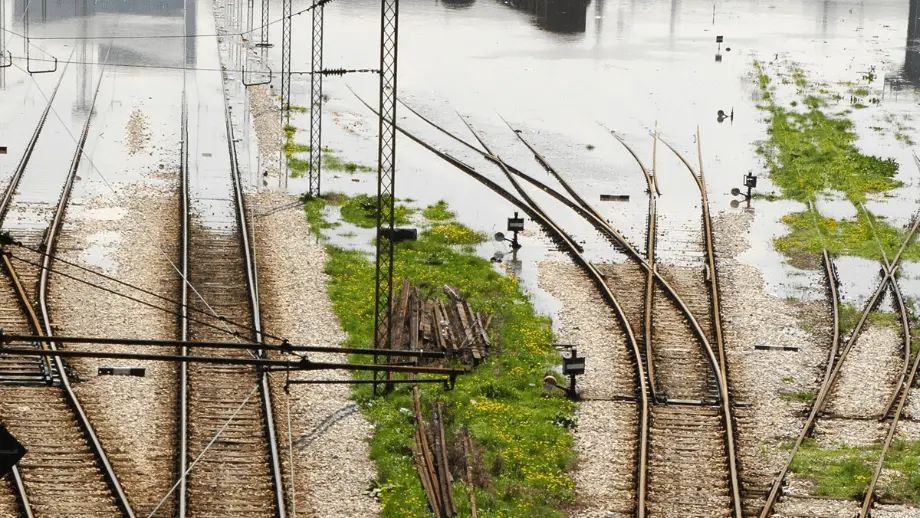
802, 397
845, 471
453, 233
361, 210
438, 212
522, 432
788, 379
589, 147
811, 152
861, 92
330, 159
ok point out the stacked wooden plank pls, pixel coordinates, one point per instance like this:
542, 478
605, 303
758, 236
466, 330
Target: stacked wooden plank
437, 324
430, 453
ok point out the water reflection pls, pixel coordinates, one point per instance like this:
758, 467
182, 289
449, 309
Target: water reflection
54, 10
458, 4
563, 16
912, 54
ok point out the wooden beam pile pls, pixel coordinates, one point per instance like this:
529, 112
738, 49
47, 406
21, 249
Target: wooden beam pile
430, 453
435, 324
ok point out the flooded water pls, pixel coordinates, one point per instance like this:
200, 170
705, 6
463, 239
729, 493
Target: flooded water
563, 72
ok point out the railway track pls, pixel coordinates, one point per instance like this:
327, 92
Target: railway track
229, 463
66, 472
724, 432
837, 357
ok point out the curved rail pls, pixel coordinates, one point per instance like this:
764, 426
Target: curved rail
653, 192
49, 245
547, 222
829, 381
588, 213
716, 308
900, 393
902, 310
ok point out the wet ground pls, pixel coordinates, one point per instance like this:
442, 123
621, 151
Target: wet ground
562, 72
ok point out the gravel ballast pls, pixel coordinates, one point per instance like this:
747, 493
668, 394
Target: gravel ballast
130, 235
328, 432
605, 438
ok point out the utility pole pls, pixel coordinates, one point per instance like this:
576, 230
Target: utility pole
316, 100
386, 178
285, 55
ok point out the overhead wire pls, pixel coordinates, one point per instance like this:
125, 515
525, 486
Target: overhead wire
117, 293
145, 291
326, 72
89, 159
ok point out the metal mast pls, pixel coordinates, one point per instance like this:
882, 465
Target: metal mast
316, 100
264, 42
286, 55
386, 175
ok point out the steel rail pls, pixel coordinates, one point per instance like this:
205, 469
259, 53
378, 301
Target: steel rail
902, 311
901, 388
829, 381
716, 309
253, 288
650, 239
600, 282
585, 210
649, 243
25, 507
183, 318
599, 223
49, 244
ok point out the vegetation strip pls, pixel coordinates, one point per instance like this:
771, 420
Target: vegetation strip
810, 153
521, 437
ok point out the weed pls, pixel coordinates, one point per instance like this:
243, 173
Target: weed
361, 210
522, 431
438, 212
845, 471
589, 147
801, 397
861, 92
788, 379
454, 233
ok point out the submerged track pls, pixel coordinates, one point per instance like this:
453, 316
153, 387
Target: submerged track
66, 470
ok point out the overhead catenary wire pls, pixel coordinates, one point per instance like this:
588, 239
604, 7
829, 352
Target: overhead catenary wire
325, 72
243, 327
128, 297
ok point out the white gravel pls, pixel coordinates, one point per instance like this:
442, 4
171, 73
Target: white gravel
134, 416
868, 376
328, 432
605, 439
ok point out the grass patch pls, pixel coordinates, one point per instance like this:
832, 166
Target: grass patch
589, 147
297, 109
438, 212
522, 432
313, 208
454, 233
861, 92
801, 397
811, 151
361, 210
788, 379
809, 233
845, 471
330, 159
